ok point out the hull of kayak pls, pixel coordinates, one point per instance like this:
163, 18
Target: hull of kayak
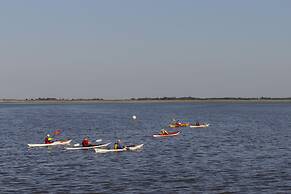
168, 135
199, 126
87, 148
135, 147
97, 150
66, 142
130, 148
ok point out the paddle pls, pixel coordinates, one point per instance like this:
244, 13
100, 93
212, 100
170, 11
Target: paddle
56, 132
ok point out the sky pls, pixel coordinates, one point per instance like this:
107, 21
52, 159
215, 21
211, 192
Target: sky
152, 48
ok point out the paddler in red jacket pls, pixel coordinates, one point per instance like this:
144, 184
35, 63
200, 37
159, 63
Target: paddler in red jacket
48, 139
86, 142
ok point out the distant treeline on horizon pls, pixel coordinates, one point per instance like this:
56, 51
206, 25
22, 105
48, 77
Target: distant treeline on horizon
152, 98
223, 98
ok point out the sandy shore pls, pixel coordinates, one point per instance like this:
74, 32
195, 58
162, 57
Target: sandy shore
16, 101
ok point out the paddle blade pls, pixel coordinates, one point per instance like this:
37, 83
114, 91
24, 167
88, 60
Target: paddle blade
57, 132
98, 140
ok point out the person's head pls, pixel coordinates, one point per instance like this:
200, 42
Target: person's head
48, 135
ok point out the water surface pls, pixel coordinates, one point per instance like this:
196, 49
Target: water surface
246, 149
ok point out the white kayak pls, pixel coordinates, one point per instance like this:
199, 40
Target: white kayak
200, 126
63, 142
90, 147
129, 148
97, 150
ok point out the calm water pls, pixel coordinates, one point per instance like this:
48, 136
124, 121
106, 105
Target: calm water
247, 149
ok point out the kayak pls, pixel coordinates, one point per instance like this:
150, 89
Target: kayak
127, 148
87, 148
167, 135
61, 142
97, 150
134, 147
175, 125
200, 126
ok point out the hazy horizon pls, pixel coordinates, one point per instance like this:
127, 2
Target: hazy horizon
147, 98
132, 49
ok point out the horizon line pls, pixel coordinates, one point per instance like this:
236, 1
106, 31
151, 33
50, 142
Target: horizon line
145, 98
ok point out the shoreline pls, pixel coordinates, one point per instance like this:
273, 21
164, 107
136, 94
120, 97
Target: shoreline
258, 101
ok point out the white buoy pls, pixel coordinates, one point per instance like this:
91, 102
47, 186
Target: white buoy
133, 117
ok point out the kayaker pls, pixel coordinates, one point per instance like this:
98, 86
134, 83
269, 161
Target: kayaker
48, 139
164, 132
86, 142
118, 145
197, 123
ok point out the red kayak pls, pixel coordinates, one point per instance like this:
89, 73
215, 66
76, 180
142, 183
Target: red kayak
167, 135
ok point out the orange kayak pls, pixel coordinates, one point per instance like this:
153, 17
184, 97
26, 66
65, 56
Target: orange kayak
175, 125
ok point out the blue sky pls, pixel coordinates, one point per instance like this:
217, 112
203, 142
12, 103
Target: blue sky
152, 48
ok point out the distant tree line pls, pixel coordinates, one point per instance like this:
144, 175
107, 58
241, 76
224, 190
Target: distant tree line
63, 99
223, 98
156, 99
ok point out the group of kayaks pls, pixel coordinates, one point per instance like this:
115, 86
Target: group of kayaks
176, 124
104, 147
100, 148
196, 125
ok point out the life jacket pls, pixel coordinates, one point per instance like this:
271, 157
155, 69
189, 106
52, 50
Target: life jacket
85, 143
118, 146
48, 140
